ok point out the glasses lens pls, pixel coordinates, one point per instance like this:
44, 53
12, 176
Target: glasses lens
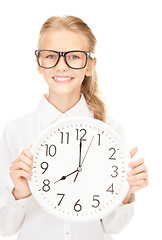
47, 59
76, 59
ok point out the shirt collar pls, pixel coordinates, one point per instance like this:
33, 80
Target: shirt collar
48, 114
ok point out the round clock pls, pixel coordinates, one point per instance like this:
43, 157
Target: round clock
80, 169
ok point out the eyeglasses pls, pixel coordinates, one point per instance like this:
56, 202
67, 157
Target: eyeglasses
74, 59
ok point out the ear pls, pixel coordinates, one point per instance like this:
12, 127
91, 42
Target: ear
91, 67
38, 67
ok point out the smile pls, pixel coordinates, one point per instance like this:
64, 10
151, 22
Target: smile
62, 79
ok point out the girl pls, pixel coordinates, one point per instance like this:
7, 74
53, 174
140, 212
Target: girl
65, 58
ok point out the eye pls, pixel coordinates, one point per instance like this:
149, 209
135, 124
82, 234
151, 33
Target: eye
73, 57
51, 57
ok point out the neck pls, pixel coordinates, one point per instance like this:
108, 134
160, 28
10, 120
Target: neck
63, 103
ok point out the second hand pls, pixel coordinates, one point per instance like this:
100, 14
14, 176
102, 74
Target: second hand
87, 150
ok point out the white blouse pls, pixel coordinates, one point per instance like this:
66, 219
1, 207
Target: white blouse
25, 217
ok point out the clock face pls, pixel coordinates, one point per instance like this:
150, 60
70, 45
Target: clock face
80, 170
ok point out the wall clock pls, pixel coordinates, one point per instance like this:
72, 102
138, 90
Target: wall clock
80, 169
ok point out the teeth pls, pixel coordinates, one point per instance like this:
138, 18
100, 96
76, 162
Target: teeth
62, 78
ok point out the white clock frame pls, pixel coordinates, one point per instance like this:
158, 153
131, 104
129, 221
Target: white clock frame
73, 158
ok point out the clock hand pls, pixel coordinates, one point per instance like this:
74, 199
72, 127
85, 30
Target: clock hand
76, 176
64, 177
80, 164
80, 152
87, 151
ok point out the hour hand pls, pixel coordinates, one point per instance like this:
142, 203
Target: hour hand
64, 177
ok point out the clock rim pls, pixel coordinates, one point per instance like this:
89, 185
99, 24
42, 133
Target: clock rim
73, 219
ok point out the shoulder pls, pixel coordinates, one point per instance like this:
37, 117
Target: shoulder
20, 125
22, 121
18, 133
116, 126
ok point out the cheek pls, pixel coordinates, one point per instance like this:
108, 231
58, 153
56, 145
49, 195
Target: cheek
47, 74
81, 74
81, 78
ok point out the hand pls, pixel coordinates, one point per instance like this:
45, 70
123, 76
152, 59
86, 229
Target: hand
64, 177
87, 151
137, 176
20, 173
80, 154
80, 163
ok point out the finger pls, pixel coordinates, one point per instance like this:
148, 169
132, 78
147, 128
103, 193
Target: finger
135, 188
26, 160
21, 165
21, 173
140, 183
136, 163
133, 151
141, 168
140, 176
27, 153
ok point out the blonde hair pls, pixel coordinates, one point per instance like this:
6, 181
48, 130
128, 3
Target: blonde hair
90, 83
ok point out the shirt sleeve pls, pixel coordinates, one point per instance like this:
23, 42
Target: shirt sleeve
12, 212
118, 219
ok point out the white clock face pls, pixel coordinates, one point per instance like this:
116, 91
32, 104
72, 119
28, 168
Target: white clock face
80, 170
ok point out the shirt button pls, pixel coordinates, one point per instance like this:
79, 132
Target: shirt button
67, 236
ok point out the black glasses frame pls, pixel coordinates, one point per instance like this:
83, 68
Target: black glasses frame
63, 54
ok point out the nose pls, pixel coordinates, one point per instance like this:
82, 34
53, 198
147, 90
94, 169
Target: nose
61, 65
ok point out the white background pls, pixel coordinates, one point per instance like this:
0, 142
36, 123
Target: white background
129, 53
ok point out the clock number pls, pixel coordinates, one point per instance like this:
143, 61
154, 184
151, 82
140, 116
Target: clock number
115, 171
83, 134
61, 194
97, 202
44, 166
111, 188
50, 150
114, 151
77, 206
62, 137
46, 186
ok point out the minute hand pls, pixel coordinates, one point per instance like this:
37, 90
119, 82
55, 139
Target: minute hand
87, 150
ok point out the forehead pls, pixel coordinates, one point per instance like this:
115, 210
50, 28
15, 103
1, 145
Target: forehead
64, 40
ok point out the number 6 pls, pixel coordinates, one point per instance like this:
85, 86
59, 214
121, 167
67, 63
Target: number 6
77, 206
